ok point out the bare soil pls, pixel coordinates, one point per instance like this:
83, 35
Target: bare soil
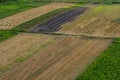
14, 20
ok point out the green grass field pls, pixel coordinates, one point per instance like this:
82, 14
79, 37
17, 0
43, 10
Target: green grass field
106, 66
10, 8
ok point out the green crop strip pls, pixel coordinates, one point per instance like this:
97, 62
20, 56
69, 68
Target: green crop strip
5, 34
106, 66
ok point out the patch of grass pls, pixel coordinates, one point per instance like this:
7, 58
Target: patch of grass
117, 20
106, 66
34, 22
11, 7
5, 34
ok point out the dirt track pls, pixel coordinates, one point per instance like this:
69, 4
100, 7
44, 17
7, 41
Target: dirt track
12, 21
55, 23
63, 62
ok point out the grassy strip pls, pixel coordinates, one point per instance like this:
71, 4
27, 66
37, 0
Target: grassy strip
5, 34
105, 67
11, 7
34, 22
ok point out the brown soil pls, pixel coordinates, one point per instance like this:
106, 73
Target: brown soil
12, 21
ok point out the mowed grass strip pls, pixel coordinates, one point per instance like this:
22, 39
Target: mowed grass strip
106, 66
5, 34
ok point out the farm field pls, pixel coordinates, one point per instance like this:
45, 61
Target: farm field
100, 21
12, 21
50, 61
27, 44
61, 41
106, 66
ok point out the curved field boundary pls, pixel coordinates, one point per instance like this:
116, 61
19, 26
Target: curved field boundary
63, 62
12, 21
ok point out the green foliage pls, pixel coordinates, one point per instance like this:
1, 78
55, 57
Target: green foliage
106, 66
5, 34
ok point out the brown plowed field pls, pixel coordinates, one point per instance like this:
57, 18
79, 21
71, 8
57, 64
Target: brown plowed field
12, 21
64, 59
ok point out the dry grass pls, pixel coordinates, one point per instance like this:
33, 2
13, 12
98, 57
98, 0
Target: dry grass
63, 60
12, 21
98, 21
21, 46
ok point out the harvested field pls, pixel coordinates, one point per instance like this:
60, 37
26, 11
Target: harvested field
55, 23
100, 21
20, 46
63, 62
12, 21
